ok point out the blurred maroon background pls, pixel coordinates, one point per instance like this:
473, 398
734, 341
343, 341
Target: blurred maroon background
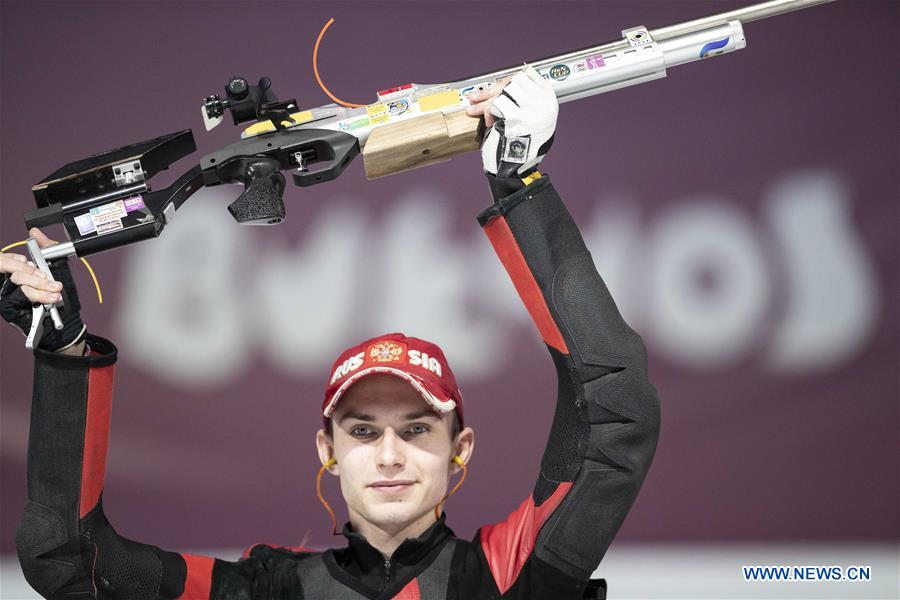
743, 211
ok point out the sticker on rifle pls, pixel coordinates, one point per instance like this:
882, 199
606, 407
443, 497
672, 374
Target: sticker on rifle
108, 212
516, 149
109, 226
560, 72
378, 113
267, 126
436, 100
351, 125
595, 62
579, 67
85, 224
400, 90
707, 50
398, 107
134, 203
464, 93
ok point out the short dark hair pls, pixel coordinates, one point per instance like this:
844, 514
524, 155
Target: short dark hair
454, 426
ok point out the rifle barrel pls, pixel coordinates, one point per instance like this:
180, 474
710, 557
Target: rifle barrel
746, 14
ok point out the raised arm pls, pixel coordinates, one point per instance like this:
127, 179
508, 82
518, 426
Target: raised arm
66, 546
606, 423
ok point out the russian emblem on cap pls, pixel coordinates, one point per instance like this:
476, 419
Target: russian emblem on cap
414, 360
386, 351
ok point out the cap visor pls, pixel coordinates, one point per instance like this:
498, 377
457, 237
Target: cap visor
437, 399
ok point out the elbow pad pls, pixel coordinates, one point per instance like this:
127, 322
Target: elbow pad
49, 558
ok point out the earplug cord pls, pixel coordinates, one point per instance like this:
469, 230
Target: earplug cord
458, 461
322, 499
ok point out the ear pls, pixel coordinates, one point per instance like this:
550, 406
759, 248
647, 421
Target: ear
325, 447
464, 445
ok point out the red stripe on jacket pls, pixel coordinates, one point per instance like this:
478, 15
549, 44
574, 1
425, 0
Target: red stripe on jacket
409, 592
198, 583
510, 255
96, 437
508, 544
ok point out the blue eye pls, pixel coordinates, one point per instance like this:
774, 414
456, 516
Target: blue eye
419, 428
355, 431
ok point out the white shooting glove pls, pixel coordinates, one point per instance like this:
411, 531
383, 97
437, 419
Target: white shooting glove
526, 111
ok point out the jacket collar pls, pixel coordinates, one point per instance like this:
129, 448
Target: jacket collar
410, 552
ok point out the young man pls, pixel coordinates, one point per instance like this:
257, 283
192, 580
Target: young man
394, 430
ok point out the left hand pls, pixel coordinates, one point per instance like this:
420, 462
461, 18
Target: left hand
22, 285
525, 107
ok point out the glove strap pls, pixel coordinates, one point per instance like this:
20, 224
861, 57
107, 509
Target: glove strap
77, 339
501, 187
533, 176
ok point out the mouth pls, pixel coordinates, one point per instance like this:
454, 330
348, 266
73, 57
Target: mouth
391, 487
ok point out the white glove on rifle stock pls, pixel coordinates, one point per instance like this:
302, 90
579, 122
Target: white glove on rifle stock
525, 107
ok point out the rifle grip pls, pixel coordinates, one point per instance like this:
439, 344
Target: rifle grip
418, 142
261, 202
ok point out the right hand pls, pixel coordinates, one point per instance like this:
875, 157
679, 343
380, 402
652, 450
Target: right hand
22, 284
521, 113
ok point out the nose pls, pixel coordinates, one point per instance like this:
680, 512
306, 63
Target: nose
390, 450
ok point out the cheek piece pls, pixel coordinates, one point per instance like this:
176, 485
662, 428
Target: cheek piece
327, 506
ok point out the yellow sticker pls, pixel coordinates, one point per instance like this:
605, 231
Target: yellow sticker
266, 126
378, 113
440, 100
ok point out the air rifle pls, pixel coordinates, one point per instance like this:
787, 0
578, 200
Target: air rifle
105, 201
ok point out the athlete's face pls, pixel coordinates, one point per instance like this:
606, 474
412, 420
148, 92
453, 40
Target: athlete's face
383, 431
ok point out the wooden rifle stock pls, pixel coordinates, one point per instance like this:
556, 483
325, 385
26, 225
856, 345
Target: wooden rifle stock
418, 142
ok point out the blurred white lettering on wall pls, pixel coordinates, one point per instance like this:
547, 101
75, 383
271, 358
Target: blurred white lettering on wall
705, 281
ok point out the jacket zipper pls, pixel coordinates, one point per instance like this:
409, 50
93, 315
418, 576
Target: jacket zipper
387, 572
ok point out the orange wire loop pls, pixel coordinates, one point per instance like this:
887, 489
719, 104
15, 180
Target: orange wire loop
316, 69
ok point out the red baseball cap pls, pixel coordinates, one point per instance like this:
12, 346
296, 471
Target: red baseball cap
417, 361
